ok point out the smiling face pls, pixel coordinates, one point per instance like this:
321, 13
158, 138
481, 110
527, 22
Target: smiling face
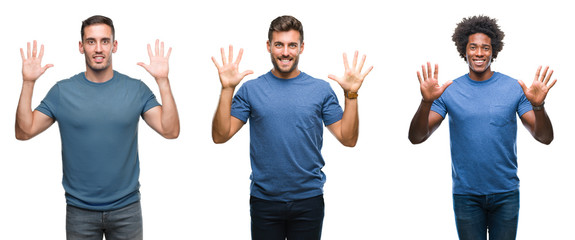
97, 45
285, 48
479, 56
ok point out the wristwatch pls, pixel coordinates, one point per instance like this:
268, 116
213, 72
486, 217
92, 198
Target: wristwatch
351, 95
538, 108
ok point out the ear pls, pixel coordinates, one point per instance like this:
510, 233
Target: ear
115, 48
269, 46
81, 47
301, 48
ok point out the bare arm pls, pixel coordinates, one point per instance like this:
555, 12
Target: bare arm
346, 130
31, 123
537, 121
425, 121
225, 126
163, 119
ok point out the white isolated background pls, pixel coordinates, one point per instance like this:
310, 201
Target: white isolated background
384, 188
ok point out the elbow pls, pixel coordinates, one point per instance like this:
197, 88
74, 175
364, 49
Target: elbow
349, 143
415, 140
171, 134
22, 135
219, 139
546, 141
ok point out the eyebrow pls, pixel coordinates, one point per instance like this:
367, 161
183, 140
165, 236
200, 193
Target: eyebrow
289, 43
91, 38
483, 45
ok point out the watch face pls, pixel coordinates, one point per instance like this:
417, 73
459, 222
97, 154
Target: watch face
351, 95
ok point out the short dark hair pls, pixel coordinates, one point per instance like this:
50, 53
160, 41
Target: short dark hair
98, 19
285, 23
478, 24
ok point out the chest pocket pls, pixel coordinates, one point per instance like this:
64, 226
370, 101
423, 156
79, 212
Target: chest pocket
308, 117
501, 115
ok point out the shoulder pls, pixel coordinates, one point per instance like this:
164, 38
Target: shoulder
126, 78
73, 79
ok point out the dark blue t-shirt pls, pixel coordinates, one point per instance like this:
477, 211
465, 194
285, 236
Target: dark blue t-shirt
483, 132
286, 133
99, 130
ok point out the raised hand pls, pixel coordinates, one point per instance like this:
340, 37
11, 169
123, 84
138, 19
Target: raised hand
159, 65
229, 73
31, 64
429, 85
353, 78
538, 90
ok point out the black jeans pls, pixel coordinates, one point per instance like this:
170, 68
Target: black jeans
294, 220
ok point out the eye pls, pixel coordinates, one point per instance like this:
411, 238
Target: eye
293, 45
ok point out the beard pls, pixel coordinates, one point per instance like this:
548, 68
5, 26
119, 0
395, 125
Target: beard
285, 70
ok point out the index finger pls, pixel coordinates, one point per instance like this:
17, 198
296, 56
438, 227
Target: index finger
239, 56
345, 64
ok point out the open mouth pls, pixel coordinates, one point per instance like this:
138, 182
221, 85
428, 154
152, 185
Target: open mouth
285, 60
98, 59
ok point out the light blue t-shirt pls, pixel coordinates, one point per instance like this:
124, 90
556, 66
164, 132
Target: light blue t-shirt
483, 132
286, 133
99, 131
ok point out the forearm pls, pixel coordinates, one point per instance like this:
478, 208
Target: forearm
419, 128
221, 124
24, 114
543, 129
350, 123
170, 118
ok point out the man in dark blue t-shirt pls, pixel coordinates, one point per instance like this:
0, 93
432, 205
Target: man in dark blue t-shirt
482, 108
287, 109
97, 113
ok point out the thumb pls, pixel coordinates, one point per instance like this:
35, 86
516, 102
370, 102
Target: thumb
46, 67
522, 84
332, 77
247, 72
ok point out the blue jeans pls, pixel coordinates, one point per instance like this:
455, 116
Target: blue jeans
476, 214
294, 220
121, 224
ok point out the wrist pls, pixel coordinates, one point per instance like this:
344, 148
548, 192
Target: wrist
350, 94
539, 107
427, 101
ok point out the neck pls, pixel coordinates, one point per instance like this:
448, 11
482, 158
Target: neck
480, 76
99, 76
285, 75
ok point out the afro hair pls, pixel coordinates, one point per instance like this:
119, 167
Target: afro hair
478, 24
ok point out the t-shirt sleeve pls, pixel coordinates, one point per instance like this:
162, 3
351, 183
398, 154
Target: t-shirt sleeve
332, 111
524, 105
49, 104
148, 98
240, 106
439, 107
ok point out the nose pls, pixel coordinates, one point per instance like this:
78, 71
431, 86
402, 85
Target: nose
285, 51
99, 47
480, 52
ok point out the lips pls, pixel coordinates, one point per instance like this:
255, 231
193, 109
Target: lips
479, 62
98, 59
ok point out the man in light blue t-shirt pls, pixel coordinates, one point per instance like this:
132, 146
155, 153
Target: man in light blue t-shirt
287, 109
482, 108
97, 113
